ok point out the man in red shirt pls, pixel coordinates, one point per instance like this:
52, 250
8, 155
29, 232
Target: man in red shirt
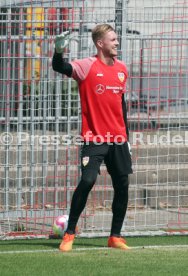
102, 81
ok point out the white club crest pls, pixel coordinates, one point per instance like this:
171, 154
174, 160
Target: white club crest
121, 76
85, 160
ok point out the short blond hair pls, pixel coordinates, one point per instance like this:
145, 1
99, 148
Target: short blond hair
100, 30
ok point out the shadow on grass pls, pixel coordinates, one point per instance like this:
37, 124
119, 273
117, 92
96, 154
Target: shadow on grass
89, 245
51, 243
22, 244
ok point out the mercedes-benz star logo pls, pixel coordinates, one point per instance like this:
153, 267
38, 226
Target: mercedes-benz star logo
100, 88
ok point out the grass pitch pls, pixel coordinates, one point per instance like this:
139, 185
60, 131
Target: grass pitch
90, 257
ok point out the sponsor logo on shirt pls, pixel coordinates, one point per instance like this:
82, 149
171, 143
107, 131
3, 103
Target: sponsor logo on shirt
100, 88
99, 74
115, 89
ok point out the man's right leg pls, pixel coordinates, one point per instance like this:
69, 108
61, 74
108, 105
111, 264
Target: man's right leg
79, 198
92, 157
78, 203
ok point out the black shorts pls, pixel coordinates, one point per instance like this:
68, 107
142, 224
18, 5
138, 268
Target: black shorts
116, 157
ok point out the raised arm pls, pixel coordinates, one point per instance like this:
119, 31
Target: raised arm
58, 63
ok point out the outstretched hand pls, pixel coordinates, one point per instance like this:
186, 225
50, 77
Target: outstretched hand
62, 41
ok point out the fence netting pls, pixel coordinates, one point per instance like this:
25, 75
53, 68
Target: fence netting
40, 114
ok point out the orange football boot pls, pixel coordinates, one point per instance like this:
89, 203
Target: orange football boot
67, 241
117, 242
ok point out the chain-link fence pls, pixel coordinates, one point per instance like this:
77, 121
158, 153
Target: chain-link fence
40, 113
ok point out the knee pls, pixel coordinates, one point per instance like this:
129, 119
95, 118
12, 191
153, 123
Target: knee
122, 184
125, 181
87, 181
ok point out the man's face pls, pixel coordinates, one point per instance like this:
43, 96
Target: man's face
109, 44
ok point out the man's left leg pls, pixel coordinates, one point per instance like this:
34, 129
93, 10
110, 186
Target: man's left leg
119, 208
119, 204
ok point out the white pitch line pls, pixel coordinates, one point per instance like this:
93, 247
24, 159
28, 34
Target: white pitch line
96, 248
28, 251
161, 246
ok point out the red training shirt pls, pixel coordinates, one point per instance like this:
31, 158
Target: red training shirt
101, 87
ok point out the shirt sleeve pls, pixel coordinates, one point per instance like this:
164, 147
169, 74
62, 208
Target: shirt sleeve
81, 68
60, 65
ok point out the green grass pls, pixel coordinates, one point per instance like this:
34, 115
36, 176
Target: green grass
161, 260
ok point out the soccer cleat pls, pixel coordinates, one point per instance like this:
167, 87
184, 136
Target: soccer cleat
66, 244
117, 242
